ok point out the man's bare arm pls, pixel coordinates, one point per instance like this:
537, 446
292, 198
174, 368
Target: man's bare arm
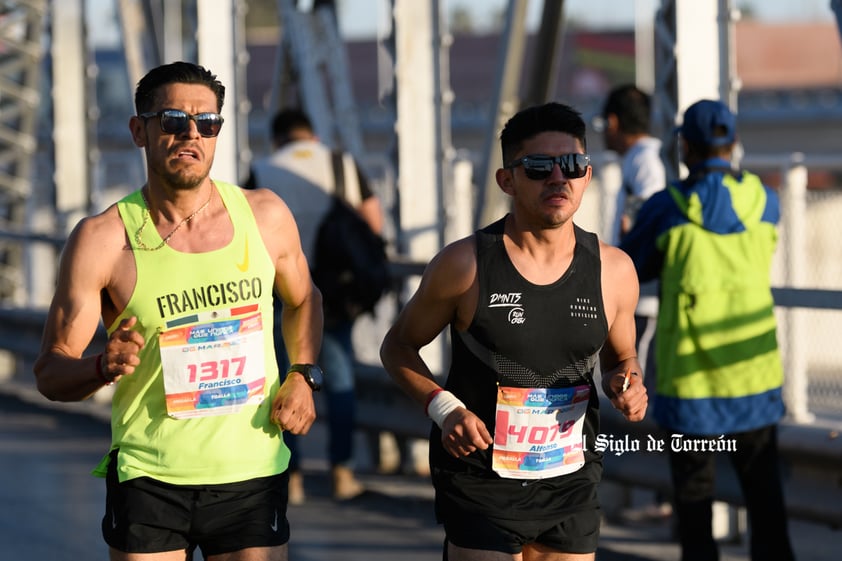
302, 322
446, 294
75, 313
619, 355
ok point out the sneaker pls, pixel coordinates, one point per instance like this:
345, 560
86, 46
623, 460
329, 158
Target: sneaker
345, 485
295, 492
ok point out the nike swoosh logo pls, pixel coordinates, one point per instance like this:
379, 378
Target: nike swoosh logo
244, 266
274, 525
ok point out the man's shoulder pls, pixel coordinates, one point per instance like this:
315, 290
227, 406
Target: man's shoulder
262, 196
455, 255
647, 149
301, 150
99, 236
296, 162
107, 221
614, 258
292, 153
646, 144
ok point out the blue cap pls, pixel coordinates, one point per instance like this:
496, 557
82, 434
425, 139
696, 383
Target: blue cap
709, 123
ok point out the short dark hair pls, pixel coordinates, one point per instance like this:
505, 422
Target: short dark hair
534, 120
175, 73
288, 120
632, 106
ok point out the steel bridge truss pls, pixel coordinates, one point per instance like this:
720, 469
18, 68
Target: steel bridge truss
21, 52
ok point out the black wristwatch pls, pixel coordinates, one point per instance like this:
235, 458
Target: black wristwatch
312, 375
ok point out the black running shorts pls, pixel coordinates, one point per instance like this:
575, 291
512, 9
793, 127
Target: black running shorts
143, 515
576, 532
482, 511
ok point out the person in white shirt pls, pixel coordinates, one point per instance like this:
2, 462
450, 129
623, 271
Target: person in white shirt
625, 122
626, 118
301, 170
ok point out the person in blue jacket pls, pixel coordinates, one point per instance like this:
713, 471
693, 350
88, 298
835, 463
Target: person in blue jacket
710, 239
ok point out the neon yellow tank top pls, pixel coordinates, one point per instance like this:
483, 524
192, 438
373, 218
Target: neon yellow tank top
207, 321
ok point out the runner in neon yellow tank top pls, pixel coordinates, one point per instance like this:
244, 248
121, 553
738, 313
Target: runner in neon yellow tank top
181, 272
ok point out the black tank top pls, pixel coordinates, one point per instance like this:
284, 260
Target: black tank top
526, 335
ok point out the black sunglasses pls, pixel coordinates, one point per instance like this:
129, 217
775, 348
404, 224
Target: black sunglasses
538, 167
174, 121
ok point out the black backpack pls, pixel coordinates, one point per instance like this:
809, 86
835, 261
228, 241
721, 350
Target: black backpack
350, 266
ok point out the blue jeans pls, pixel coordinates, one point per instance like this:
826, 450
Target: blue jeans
337, 362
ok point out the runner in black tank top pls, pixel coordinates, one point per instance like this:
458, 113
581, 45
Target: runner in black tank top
528, 336
531, 302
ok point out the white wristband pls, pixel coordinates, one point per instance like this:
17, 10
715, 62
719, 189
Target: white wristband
443, 405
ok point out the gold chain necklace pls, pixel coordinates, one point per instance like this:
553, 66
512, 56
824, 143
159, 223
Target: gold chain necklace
138, 236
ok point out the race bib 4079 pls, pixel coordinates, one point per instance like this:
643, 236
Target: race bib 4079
538, 431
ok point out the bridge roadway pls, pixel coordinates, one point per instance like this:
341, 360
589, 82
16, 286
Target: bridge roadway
52, 505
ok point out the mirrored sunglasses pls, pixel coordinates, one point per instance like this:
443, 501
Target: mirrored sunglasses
174, 121
537, 167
